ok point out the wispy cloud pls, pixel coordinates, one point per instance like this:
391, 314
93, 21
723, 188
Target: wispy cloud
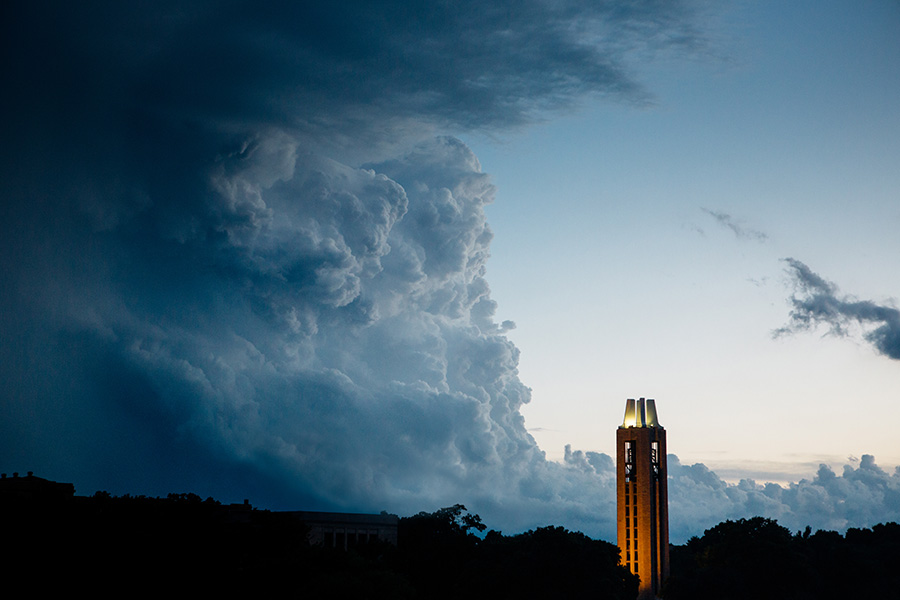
740, 230
818, 301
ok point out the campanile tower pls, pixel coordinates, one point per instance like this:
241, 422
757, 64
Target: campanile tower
641, 496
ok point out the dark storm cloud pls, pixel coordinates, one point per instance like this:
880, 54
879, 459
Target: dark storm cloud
740, 231
818, 301
237, 261
321, 66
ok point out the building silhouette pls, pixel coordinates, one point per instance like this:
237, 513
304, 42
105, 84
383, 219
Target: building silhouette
33, 489
347, 530
641, 496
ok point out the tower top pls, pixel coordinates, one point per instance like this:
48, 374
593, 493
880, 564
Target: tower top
641, 413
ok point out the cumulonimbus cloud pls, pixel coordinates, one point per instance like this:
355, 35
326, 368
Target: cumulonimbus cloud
238, 261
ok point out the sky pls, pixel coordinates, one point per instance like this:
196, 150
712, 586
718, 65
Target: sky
780, 142
402, 255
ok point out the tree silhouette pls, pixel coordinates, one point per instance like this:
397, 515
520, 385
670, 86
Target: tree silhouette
757, 558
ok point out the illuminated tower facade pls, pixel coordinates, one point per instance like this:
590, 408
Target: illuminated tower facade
642, 503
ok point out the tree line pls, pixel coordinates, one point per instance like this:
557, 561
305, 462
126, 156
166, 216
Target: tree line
758, 558
184, 544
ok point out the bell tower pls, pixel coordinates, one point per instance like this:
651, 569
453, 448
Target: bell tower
642, 504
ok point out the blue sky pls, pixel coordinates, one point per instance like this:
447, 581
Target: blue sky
275, 252
609, 257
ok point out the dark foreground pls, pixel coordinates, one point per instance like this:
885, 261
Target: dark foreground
181, 544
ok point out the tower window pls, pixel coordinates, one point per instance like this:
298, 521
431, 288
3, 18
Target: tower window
654, 458
629, 461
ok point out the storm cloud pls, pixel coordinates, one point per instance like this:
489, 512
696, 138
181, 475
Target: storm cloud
242, 256
244, 250
817, 301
